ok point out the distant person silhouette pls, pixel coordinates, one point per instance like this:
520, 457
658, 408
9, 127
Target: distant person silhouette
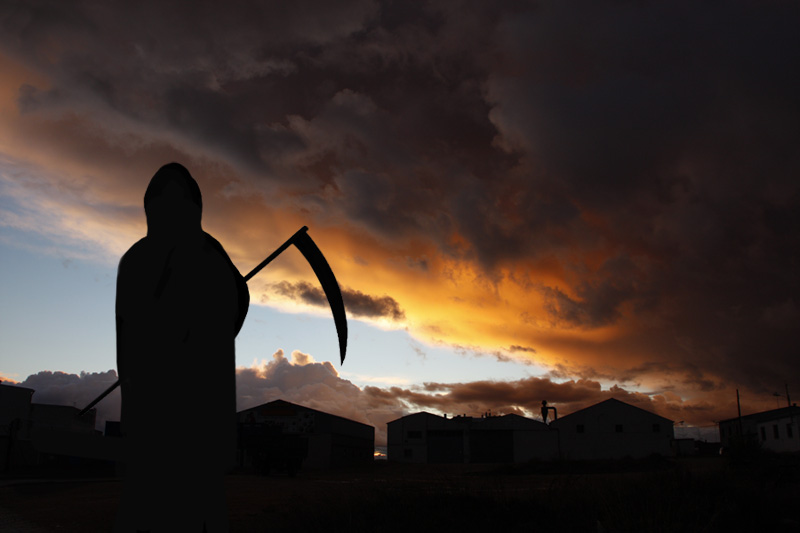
180, 304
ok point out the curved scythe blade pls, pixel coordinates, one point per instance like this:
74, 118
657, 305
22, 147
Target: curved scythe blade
314, 256
306, 245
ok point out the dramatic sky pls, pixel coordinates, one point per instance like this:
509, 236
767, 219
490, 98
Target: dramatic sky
561, 200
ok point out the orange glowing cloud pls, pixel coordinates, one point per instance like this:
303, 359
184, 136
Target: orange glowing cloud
492, 180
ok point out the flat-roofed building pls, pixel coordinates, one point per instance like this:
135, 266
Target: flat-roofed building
15, 426
427, 438
776, 430
33, 433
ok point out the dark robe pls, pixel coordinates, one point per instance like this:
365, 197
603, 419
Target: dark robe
180, 304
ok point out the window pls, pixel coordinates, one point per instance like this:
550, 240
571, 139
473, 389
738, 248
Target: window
618, 428
763, 433
579, 428
789, 434
414, 434
656, 428
775, 431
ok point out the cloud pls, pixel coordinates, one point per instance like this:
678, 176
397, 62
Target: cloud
656, 149
302, 380
613, 184
77, 390
7, 379
516, 348
300, 358
312, 384
356, 302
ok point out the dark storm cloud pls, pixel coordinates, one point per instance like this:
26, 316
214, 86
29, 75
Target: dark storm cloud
670, 129
517, 348
356, 302
502, 356
646, 149
381, 101
687, 375
599, 296
360, 304
203, 69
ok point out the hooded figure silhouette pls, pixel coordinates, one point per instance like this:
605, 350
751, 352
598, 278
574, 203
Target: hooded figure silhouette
180, 304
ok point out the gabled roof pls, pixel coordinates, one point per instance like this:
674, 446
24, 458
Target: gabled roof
515, 415
417, 414
472, 420
615, 402
289, 406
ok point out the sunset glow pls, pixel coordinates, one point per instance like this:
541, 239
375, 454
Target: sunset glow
518, 204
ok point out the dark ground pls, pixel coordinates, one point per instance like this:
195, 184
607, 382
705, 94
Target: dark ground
692, 494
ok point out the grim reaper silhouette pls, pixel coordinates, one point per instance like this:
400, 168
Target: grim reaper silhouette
180, 304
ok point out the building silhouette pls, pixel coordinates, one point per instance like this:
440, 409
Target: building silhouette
613, 429
33, 434
777, 430
283, 436
15, 426
275, 436
427, 438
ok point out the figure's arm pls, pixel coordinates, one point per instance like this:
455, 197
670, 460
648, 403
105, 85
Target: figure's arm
121, 309
242, 292
131, 303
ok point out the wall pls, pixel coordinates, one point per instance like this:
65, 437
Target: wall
613, 430
326, 440
426, 438
788, 434
535, 446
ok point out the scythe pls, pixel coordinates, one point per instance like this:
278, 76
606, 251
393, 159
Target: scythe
313, 255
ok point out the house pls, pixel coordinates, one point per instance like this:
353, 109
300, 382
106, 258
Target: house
34, 434
427, 438
62, 418
286, 436
15, 426
777, 430
613, 429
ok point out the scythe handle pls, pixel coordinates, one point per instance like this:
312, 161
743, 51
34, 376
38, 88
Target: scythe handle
252, 273
97, 400
274, 254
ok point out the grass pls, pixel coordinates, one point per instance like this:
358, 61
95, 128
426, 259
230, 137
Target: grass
693, 494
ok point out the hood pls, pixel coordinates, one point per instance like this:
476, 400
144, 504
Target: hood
173, 203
